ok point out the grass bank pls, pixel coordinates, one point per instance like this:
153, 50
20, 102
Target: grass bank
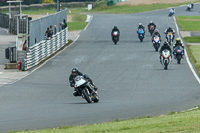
188, 121
103, 8
78, 21
189, 23
194, 54
193, 39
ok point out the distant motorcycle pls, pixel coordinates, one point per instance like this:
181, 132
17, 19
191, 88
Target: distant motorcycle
178, 54
151, 29
141, 34
171, 12
115, 37
170, 38
156, 42
165, 58
86, 90
189, 7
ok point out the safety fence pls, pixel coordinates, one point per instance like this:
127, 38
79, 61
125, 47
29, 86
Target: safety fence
45, 48
4, 23
4, 20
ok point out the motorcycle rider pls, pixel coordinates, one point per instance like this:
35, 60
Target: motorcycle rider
172, 10
192, 5
178, 43
170, 30
165, 46
156, 33
76, 72
189, 6
151, 24
140, 26
115, 29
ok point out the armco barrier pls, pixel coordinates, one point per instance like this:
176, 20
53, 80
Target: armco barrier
45, 48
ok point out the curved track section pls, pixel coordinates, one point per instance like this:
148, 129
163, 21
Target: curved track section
132, 82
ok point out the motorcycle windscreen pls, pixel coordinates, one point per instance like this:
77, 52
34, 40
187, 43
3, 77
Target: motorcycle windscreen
141, 31
79, 81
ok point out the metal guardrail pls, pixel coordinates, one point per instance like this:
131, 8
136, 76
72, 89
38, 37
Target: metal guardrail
45, 48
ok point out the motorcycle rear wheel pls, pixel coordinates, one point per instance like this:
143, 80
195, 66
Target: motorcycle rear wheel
178, 59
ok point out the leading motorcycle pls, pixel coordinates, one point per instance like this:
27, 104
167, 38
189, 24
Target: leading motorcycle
165, 58
85, 89
189, 7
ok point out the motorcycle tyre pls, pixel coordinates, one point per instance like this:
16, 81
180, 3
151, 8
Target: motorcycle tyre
178, 59
96, 99
86, 96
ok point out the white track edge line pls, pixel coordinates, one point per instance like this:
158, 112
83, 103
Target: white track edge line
186, 55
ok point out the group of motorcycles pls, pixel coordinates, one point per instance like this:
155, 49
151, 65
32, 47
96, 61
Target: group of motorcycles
188, 8
83, 85
166, 55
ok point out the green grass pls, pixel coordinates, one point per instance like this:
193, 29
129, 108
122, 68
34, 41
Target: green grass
76, 25
189, 23
78, 22
188, 121
193, 39
194, 54
103, 8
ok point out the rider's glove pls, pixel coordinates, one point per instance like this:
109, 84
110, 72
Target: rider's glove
72, 84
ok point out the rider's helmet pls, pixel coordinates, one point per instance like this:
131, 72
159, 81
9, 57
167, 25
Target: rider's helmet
169, 28
115, 27
140, 24
156, 32
165, 43
151, 21
74, 71
178, 40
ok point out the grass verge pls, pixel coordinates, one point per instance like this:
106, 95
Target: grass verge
103, 8
189, 23
188, 121
194, 54
78, 22
193, 39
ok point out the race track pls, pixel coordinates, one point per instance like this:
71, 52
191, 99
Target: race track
132, 83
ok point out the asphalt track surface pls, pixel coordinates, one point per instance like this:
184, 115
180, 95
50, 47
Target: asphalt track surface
132, 83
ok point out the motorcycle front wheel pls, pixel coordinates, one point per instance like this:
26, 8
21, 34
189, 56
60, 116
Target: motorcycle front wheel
96, 99
86, 96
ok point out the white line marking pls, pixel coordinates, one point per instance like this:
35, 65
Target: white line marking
186, 55
88, 23
1, 72
3, 83
5, 30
